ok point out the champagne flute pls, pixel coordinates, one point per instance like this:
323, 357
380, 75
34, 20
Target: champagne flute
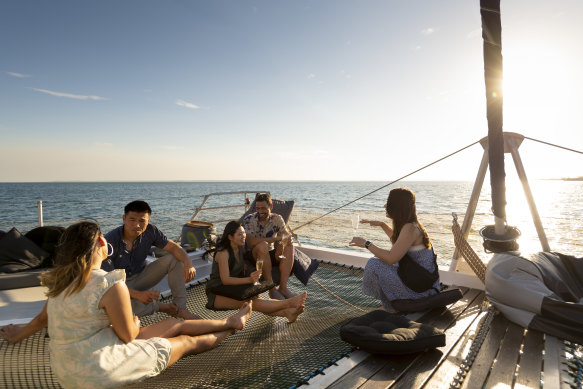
355, 219
259, 266
284, 238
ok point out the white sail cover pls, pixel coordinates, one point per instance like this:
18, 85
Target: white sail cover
543, 292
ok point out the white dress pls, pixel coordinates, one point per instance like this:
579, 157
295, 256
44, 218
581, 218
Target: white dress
85, 352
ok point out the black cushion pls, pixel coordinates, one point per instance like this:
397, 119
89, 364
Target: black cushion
241, 292
47, 238
18, 253
438, 300
380, 332
304, 266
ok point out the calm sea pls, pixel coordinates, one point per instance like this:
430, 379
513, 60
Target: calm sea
559, 203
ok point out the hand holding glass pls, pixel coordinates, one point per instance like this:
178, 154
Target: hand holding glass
259, 266
284, 242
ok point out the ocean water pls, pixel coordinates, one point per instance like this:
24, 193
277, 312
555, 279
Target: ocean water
559, 203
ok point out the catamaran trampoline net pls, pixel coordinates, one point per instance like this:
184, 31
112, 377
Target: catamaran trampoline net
268, 353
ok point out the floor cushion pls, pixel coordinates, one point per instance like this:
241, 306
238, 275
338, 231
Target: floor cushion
438, 300
18, 253
47, 238
380, 332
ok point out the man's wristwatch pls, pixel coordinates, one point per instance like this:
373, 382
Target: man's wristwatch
367, 244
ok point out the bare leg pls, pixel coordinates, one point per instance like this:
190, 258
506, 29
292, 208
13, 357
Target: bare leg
184, 345
261, 251
289, 308
285, 268
172, 327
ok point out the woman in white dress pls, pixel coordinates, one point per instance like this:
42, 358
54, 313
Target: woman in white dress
95, 341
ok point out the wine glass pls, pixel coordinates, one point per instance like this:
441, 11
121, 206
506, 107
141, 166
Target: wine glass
259, 266
355, 219
284, 238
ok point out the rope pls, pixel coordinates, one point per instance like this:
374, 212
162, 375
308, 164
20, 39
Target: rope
335, 296
554, 145
467, 252
384, 186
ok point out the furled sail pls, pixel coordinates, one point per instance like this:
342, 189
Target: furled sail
492, 36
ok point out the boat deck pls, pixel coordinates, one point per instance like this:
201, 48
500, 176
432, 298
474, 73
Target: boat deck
510, 356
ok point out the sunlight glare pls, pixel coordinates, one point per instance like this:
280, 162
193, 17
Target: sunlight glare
536, 79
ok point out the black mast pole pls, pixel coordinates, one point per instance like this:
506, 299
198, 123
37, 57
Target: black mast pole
492, 35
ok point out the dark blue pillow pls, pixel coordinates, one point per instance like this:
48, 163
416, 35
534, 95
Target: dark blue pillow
304, 266
18, 253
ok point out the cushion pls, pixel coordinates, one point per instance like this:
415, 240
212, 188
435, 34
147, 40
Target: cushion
241, 292
438, 300
304, 266
21, 279
380, 332
47, 238
283, 208
18, 253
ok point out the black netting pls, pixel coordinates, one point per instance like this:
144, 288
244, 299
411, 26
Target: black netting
269, 352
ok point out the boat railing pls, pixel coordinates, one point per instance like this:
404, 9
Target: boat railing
246, 203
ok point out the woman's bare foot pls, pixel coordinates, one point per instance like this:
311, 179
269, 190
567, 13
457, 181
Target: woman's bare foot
169, 309
292, 313
237, 321
298, 300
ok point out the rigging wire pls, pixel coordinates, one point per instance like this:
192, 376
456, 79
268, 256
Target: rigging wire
554, 145
384, 186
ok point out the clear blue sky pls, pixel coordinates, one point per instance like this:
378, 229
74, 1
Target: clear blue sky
278, 90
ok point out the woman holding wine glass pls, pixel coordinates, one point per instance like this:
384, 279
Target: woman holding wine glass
231, 272
408, 236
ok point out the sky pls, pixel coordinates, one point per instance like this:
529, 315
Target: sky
142, 90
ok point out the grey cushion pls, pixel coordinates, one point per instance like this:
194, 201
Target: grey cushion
18, 253
21, 279
380, 332
281, 207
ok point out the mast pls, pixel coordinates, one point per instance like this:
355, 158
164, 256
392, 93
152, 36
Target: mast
498, 237
493, 71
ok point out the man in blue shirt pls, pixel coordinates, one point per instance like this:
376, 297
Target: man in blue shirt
131, 243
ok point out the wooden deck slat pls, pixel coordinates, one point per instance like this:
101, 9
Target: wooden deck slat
362, 372
504, 368
551, 377
447, 371
423, 363
531, 361
421, 371
509, 356
394, 366
481, 366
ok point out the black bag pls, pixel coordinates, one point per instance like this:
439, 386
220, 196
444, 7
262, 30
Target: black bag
415, 276
241, 292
